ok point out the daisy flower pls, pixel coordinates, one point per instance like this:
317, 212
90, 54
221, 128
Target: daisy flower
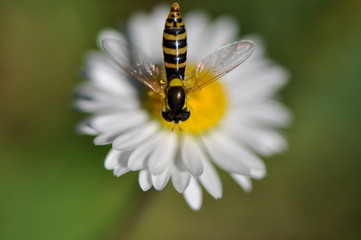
234, 120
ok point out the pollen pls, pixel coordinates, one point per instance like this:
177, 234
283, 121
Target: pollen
207, 107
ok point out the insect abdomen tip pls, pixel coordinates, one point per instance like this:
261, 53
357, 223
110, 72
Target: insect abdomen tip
175, 7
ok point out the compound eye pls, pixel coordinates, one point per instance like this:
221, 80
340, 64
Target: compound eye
184, 116
168, 115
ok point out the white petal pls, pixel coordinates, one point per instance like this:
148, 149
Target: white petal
264, 141
163, 154
146, 33
134, 137
120, 171
250, 69
118, 121
179, 163
180, 179
95, 105
223, 30
122, 164
243, 181
156, 26
192, 155
269, 113
138, 159
197, 23
145, 181
137, 28
120, 130
90, 91
245, 72
223, 158
111, 160
262, 85
200, 28
239, 159
107, 76
108, 33
117, 161
106, 138
85, 128
242, 153
258, 173
210, 179
160, 181
93, 99
193, 195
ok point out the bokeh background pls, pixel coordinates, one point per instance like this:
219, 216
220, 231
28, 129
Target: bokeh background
53, 184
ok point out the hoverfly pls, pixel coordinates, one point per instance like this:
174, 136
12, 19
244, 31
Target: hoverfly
170, 81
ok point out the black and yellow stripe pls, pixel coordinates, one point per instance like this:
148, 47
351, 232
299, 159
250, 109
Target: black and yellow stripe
174, 44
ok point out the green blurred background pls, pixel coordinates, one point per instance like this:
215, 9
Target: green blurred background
53, 184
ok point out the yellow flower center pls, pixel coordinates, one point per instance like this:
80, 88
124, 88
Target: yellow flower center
207, 107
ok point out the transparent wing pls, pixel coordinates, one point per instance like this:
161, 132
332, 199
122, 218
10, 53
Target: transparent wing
219, 63
133, 61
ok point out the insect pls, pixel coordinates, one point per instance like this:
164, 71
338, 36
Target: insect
170, 81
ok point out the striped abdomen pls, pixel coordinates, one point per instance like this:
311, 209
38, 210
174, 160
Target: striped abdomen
174, 44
